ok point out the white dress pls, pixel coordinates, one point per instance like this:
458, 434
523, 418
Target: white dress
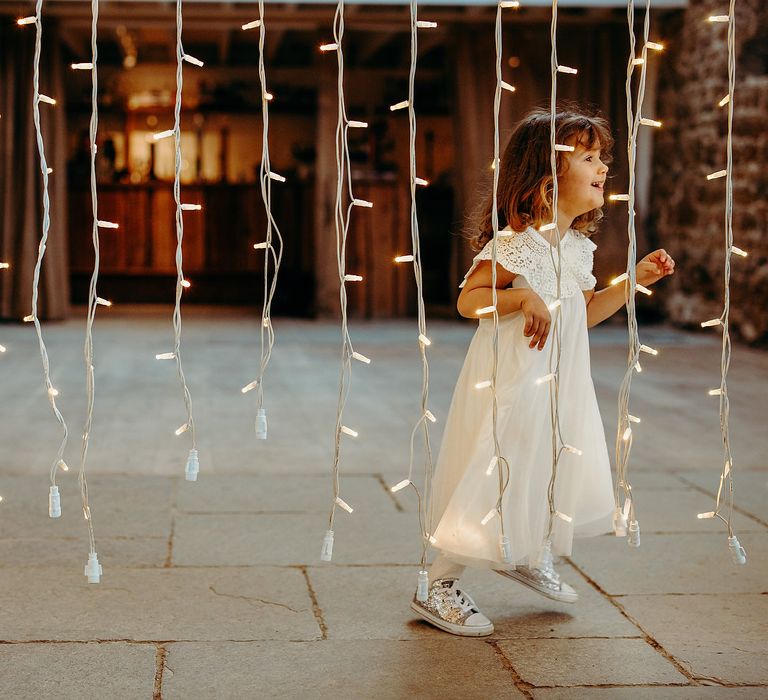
462, 492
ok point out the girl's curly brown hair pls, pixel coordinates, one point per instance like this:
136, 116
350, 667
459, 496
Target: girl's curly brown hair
525, 175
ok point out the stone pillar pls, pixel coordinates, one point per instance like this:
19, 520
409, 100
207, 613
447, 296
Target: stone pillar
689, 210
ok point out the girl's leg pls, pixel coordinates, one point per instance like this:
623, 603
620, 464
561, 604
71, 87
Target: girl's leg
443, 567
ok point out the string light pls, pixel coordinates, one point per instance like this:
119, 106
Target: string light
625, 520
93, 568
54, 500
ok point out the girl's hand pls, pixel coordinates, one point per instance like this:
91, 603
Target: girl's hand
654, 266
537, 319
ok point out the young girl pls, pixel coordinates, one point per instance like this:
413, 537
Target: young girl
466, 484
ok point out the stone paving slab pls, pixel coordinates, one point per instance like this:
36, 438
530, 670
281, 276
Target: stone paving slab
652, 693
681, 563
750, 489
569, 662
280, 539
373, 603
91, 671
722, 637
157, 604
129, 506
286, 493
64, 553
336, 670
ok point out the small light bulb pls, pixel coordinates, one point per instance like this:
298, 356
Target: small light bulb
627, 434
165, 356
563, 516
421, 181
506, 86
573, 450
343, 504
724, 101
107, 224
649, 350
545, 378
620, 278
103, 302
430, 416
29, 319
650, 122
260, 246
483, 385
250, 386
715, 175
276, 176
182, 429
567, 69
163, 134
404, 258
328, 47
4, 265
349, 431
422, 24
739, 251
619, 197
718, 18
194, 61
191, 207
361, 358
554, 305
711, 322
362, 203
548, 227
252, 25
26, 20
704, 516
485, 310
633, 419
186, 284
488, 517
715, 392
491, 465
400, 486
644, 290
52, 391
424, 340
564, 147
399, 105
654, 46
355, 124
353, 278
82, 66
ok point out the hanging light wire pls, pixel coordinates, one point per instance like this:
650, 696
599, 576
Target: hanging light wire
267, 334
192, 467
426, 416
558, 444
738, 553
341, 220
54, 505
625, 520
93, 568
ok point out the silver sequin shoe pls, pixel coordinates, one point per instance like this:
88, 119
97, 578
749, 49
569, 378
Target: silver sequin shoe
545, 581
452, 610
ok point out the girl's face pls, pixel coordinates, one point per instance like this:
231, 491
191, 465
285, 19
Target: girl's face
580, 189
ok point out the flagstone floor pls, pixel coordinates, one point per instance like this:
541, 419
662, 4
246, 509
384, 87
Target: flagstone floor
215, 589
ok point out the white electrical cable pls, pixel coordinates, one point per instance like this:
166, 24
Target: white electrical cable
193, 465
738, 555
625, 520
54, 502
267, 333
93, 569
558, 444
426, 416
341, 216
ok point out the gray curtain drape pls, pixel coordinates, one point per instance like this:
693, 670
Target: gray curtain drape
21, 186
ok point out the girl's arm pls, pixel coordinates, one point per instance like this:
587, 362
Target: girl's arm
608, 301
478, 293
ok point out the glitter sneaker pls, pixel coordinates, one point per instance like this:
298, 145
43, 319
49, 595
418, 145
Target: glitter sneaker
452, 610
545, 581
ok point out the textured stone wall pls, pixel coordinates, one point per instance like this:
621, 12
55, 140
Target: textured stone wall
688, 212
